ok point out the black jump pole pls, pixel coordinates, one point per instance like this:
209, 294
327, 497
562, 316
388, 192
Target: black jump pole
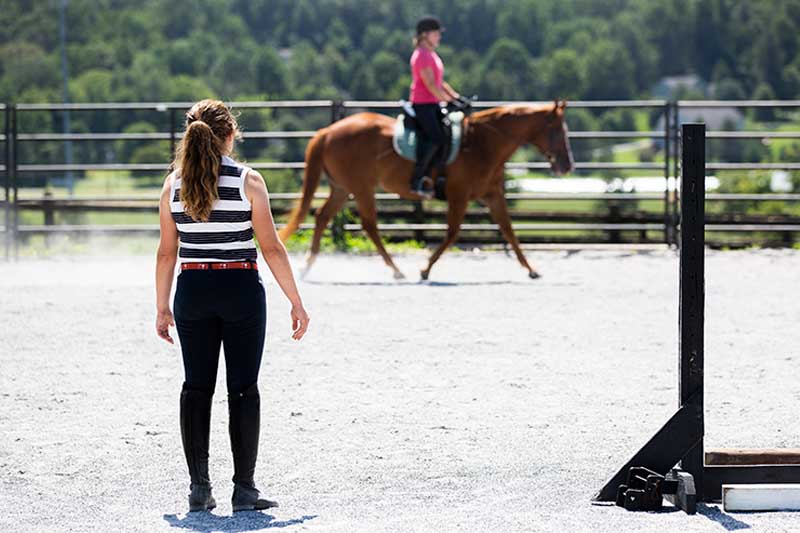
691, 317
680, 439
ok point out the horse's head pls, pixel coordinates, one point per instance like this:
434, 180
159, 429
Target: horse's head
553, 141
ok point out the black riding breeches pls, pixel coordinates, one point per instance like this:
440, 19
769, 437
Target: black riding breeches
220, 307
429, 119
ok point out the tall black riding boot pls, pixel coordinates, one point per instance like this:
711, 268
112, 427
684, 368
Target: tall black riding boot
244, 426
195, 429
423, 163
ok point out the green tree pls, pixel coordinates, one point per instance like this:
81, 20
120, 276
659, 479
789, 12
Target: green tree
364, 85
387, 68
25, 66
609, 72
764, 92
729, 89
791, 81
187, 89
93, 86
618, 120
670, 31
508, 72
269, 72
523, 21
563, 73
307, 68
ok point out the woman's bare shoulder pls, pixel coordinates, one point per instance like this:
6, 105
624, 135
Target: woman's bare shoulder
254, 184
169, 181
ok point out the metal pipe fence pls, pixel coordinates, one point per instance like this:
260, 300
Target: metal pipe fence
7, 206
668, 226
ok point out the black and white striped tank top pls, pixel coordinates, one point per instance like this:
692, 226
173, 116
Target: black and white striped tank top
228, 234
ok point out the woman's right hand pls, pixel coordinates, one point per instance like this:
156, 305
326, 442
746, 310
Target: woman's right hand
300, 321
164, 320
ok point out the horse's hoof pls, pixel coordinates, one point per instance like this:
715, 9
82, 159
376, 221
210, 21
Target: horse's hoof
423, 274
533, 274
399, 275
309, 263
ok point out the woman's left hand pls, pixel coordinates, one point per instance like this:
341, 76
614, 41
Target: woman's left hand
163, 321
300, 321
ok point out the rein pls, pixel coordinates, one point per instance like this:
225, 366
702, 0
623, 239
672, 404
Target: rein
551, 137
516, 141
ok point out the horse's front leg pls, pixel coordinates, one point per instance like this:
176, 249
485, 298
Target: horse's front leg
498, 209
456, 210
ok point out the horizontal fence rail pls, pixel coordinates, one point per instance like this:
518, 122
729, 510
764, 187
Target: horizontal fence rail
610, 197
400, 217
299, 165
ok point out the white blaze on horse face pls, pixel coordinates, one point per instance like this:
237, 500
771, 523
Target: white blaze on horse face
568, 147
559, 151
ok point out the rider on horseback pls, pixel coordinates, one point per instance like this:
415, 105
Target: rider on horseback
428, 89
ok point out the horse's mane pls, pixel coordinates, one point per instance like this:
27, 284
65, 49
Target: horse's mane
507, 110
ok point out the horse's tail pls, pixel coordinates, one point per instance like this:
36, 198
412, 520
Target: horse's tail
311, 179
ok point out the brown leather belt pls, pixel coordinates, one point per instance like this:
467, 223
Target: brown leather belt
227, 265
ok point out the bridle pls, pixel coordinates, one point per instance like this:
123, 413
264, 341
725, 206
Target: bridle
553, 138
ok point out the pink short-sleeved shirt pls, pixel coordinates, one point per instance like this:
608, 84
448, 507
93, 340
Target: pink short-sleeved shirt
420, 59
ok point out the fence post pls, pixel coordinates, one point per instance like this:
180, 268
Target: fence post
667, 208
337, 110
419, 218
49, 215
12, 167
172, 133
7, 183
338, 222
47, 209
614, 217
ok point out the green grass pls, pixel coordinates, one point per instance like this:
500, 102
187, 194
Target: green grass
775, 145
103, 183
97, 244
627, 156
583, 206
352, 243
642, 120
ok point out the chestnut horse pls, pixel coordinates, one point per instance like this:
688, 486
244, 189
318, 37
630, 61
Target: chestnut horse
357, 155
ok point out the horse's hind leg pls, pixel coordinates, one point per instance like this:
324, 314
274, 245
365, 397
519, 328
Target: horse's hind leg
369, 222
325, 213
498, 209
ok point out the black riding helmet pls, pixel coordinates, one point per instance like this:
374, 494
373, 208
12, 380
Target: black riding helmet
429, 23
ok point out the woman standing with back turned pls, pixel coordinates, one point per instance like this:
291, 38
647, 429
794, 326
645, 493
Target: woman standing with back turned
210, 207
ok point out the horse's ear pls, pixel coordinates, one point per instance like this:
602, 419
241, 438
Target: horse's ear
559, 105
